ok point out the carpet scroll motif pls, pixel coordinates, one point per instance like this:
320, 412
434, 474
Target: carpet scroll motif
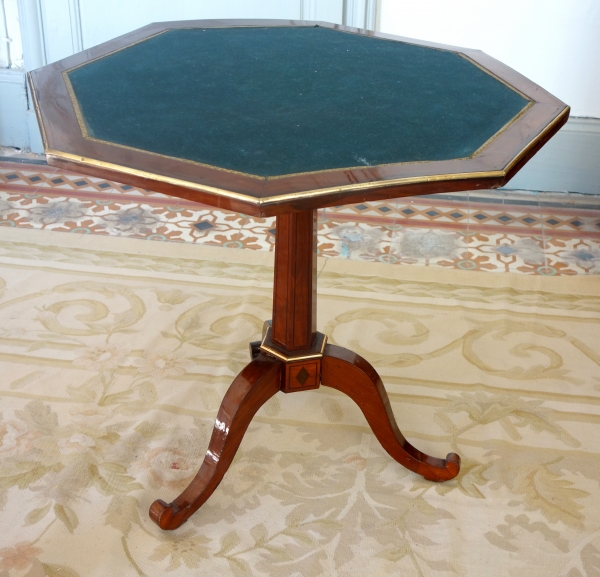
116, 354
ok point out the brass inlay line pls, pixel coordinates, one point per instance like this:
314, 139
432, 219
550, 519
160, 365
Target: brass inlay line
87, 136
290, 174
85, 161
503, 129
38, 112
85, 133
258, 202
281, 356
324, 344
76, 107
289, 359
118, 50
264, 202
493, 75
532, 143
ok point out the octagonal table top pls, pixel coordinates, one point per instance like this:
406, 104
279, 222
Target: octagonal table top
266, 117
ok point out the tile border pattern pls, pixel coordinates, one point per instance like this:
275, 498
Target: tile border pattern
495, 231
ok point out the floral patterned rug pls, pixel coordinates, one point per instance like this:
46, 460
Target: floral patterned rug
116, 353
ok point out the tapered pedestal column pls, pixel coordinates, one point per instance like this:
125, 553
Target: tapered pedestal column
291, 357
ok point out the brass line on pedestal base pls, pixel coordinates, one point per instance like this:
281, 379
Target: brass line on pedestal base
270, 349
302, 369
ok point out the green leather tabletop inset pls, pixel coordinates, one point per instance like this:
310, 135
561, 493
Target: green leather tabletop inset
275, 101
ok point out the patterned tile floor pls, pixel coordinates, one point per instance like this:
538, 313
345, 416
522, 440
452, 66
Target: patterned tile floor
494, 231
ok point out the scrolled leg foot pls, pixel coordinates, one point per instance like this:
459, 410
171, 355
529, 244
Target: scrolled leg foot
167, 516
251, 389
351, 374
451, 466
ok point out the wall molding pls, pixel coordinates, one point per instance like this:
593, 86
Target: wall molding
583, 124
32, 34
360, 13
76, 26
371, 8
308, 9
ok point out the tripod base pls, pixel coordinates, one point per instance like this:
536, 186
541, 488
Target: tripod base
271, 371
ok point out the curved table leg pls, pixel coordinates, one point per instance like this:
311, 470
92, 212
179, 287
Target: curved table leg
253, 387
351, 374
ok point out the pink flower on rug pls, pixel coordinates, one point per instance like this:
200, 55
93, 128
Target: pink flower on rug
16, 438
357, 461
18, 557
169, 467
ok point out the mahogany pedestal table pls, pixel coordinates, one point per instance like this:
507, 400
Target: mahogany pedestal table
280, 118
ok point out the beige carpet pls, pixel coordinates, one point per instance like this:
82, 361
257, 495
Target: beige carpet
116, 352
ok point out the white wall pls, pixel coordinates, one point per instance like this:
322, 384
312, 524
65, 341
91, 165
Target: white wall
94, 21
555, 43
136, 13
11, 50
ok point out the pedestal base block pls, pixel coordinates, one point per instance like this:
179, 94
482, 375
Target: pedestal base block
302, 368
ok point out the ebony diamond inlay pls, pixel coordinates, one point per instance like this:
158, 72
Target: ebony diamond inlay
57, 180
11, 176
408, 211
34, 178
552, 221
302, 376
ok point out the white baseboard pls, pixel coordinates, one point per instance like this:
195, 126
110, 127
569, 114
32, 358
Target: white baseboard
569, 162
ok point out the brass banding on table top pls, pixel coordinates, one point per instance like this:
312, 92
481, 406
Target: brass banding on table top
491, 165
